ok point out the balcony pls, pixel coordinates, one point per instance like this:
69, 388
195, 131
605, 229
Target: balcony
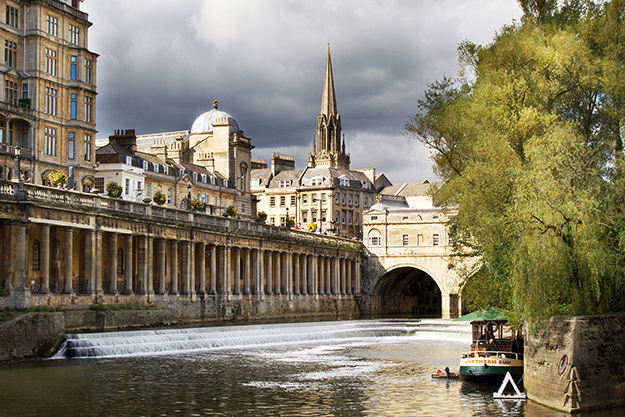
22, 108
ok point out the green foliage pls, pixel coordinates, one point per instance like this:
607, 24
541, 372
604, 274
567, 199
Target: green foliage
159, 198
114, 190
231, 211
4, 292
532, 159
118, 307
261, 217
289, 222
197, 205
57, 178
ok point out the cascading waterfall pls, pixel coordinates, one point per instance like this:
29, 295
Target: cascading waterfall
168, 341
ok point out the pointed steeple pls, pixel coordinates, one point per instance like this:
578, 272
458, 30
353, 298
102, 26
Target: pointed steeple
328, 99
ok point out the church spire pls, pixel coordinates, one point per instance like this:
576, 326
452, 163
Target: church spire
328, 99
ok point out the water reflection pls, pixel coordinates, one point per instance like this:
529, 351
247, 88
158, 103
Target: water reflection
366, 377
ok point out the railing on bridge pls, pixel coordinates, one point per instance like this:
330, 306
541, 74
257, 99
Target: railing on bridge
26, 191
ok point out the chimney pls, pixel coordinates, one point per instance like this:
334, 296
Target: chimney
125, 138
281, 163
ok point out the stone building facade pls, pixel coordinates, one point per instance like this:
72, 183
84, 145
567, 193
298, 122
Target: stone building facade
47, 116
326, 196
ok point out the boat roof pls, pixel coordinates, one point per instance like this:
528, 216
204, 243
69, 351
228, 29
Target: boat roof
483, 315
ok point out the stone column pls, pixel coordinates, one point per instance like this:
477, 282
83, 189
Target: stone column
142, 265
44, 259
98, 252
278, 277
220, 253
269, 283
213, 276
305, 274
343, 277
329, 276
150, 266
20, 294
128, 265
201, 265
173, 252
237, 270
260, 272
228, 271
113, 263
314, 275
247, 271
160, 266
191, 269
322, 275
357, 277
90, 261
185, 268
349, 277
296, 274
68, 260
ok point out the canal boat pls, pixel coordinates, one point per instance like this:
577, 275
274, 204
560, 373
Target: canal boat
495, 351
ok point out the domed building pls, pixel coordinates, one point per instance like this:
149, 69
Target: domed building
214, 143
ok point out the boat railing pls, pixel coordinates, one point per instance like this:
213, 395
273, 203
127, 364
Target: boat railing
492, 354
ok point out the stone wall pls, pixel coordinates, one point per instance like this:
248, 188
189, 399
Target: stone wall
577, 363
32, 335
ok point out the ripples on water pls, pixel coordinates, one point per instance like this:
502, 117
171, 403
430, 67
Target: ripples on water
387, 376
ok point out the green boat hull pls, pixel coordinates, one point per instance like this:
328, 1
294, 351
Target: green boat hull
489, 373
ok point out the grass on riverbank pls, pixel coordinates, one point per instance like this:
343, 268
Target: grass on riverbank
118, 307
11, 313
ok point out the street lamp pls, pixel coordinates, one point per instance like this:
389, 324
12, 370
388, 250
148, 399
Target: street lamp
189, 197
286, 221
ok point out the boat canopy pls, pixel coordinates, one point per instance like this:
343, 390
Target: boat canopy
490, 314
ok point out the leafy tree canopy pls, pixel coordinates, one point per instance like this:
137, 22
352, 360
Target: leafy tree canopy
530, 149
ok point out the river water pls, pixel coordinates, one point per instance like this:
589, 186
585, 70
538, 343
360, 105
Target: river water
352, 368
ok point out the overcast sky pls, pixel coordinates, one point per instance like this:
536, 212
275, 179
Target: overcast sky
163, 62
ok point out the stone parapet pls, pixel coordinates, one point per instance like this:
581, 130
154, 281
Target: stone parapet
577, 363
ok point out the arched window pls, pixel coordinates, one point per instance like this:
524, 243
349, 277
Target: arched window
120, 261
36, 255
375, 238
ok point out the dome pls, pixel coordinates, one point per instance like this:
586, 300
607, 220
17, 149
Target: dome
204, 122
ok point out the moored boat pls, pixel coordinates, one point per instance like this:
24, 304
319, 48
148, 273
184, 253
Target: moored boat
495, 351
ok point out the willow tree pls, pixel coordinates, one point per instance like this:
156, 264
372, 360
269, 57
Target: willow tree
531, 154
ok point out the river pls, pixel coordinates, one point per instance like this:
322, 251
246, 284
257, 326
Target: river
351, 368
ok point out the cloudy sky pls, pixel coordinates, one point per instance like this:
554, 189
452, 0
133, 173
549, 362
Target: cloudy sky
163, 62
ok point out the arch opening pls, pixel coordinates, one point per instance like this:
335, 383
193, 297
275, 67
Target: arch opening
408, 291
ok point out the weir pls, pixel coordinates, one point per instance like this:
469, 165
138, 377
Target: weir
173, 341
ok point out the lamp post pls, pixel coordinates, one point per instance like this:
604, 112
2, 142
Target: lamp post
320, 214
286, 221
189, 197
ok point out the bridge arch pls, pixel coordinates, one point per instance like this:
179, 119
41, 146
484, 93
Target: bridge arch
409, 288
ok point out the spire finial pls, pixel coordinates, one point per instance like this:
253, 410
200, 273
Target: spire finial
215, 104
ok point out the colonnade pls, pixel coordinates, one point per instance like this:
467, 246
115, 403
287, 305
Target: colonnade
60, 259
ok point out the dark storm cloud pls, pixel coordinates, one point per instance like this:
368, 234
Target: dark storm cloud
162, 63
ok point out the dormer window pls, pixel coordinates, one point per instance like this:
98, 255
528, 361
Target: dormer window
204, 178
285, 183
129, 160
145, 165
155, 167
165, 169
195, 176
213, 180
317, 180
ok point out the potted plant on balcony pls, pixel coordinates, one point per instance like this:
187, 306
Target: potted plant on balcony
261, 217
197, 205
114, 190
231, 211
57, 179
159, 198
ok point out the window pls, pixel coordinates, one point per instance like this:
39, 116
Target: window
343, 199
148, 190
73, 71
129, 160
25, 90
285, 183
25, 130
282, 220
99, 184
313, 197
356, 219
120, 261
343, 217
203, 198
374, 241
169, 195
272, 202
13, 17
88, 71
52, 25
293, 200
314, 216
88, 107
165, 170
282, 201
356, 201
10, 91
195, 176
338, 198
272, 220
323, 197
204, 178
70, 145
350, 200
419, 240
336, 217
127, 188
350, 217
51, 99
304, 198
50, 145
73, 106
88, 148
36, 255
50, 61
365, 200
74, 34
145, 165
305, 216
404, 240
435, 239
10, 54
323, 215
